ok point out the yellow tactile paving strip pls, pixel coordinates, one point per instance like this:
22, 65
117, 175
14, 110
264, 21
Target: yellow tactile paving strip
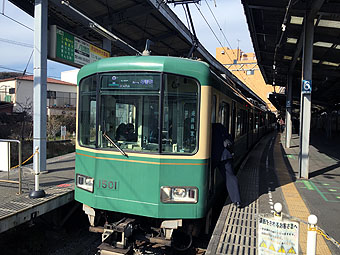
296, 205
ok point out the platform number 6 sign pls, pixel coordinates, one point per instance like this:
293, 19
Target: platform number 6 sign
306, 86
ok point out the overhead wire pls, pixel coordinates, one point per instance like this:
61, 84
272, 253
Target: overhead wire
218, 38
3, 6
211, 28
8, 17
12, 69
16, 43
188, 23
186, 16
278, 45
21, 71
29, 60
225, 38
19, 44
216, 35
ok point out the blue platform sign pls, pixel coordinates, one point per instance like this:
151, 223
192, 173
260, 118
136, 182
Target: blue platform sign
306, 86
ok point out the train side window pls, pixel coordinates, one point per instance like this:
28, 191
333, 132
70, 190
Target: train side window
241, 128
256, 120
224, 114
238, 123
87, 112
262, 119
251, 125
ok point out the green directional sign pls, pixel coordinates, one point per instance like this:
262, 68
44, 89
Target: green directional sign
72, 50
65, 45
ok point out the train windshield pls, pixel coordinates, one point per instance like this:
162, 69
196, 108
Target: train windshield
146, 112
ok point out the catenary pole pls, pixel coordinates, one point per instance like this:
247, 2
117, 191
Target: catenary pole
40, 85
289, 104
305, 104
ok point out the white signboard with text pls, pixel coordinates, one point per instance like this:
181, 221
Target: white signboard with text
63, 132
277, 237
5, 161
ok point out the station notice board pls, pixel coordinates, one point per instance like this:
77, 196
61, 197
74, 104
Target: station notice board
70, 49
277, 237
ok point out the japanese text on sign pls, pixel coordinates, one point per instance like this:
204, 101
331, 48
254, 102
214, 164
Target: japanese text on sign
277, 237
67, 48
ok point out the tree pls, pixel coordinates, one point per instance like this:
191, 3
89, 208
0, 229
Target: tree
54, 122
53, 126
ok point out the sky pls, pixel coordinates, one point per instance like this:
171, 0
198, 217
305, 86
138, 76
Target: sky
16, 40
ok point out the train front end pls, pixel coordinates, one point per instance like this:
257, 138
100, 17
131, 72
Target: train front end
143, 138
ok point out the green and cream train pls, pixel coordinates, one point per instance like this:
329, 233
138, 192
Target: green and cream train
144, 141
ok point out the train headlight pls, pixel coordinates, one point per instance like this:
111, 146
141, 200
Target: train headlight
84, 182
179, 194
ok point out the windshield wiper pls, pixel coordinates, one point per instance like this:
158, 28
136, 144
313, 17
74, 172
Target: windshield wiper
111, 141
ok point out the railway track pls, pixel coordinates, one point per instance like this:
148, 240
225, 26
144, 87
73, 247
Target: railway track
44, 236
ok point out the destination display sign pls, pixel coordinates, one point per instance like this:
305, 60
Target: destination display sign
277, 237
131, 81
72, 50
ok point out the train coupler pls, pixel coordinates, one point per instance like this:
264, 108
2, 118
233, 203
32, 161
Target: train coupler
117, 234
106, 249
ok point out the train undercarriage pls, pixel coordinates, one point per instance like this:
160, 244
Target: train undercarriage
121, 234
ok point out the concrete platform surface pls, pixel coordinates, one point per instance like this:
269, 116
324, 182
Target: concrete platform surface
57, 182
269, 175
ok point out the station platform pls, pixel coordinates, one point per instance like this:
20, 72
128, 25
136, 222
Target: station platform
269, 175
57, 182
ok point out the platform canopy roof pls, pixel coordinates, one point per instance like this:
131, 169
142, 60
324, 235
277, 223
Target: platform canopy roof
276, 29
133, 21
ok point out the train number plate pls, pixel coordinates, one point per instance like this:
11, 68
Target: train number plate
107, 184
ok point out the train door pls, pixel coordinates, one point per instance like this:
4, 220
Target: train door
233, 119
225, 114
248, 129
212, 172
216, 176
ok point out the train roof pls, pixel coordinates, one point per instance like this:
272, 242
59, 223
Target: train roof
192, 68
182, 66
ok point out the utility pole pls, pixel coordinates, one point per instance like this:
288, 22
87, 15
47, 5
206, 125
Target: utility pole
40, 89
